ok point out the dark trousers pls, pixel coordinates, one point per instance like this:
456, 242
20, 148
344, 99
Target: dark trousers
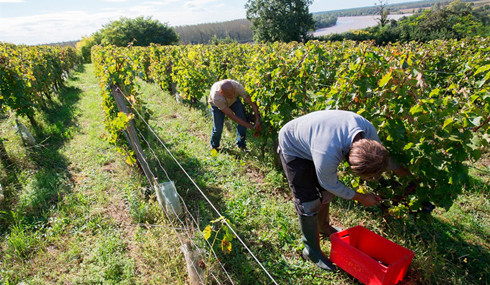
304, 184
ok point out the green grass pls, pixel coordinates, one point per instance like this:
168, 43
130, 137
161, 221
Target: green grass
73, 209
74, 212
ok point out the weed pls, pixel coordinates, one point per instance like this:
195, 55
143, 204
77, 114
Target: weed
20, 243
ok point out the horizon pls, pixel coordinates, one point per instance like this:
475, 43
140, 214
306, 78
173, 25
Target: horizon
34, 22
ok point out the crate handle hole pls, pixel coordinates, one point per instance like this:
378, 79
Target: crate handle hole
382, 263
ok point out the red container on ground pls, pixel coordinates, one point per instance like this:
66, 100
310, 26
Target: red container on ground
370, 258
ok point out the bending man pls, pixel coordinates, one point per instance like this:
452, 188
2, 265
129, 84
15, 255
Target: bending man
311, 148
224, 100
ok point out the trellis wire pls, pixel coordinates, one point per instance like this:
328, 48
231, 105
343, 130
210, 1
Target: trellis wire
200, 191
186, 209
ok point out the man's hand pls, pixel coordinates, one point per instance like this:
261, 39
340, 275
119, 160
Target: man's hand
367, 200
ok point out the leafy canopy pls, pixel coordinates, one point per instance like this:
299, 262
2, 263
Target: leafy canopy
280, 20
140, 31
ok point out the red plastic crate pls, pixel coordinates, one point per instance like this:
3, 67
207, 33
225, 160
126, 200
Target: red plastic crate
370, 258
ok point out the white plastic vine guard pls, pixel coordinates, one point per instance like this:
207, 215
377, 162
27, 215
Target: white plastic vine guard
168, 199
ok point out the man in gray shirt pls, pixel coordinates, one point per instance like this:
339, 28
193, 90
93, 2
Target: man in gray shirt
311, 148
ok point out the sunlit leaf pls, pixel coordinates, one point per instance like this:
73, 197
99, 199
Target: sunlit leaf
207, 232
416, 109
447, 122
386, 78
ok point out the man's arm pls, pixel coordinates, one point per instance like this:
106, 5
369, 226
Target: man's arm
367, 200
255, 108
228, 112
402, 171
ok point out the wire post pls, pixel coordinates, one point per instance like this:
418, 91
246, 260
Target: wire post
196, 271
133, 137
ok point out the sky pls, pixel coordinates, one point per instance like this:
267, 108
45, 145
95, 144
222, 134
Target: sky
49, 21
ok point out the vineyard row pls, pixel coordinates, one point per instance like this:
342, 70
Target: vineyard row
30, 74
430, 102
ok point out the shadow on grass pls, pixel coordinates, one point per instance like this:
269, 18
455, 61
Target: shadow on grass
451, 242
9, 166
49, 178
239, 264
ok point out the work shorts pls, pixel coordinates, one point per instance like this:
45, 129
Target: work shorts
303, 182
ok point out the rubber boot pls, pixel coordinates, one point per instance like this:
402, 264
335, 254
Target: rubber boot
324, 226
311, 240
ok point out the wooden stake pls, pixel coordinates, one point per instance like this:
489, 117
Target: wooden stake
133, 137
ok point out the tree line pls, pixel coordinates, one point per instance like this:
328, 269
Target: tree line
290, 20
236, 30
457, 20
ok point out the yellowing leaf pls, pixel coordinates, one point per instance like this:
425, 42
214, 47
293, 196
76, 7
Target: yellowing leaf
447, 122
130, 160
385, 79
362, 189
207, 232
408, 146
225, 246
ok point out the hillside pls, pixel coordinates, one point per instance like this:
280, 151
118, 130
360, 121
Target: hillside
75, 212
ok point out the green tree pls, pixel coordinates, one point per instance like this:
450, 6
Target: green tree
280, 20
139, 31
324, 20
85, 44
383, 12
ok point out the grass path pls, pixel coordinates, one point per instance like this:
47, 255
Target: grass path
85, 227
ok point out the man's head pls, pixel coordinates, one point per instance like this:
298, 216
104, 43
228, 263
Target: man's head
227, 89
368, 158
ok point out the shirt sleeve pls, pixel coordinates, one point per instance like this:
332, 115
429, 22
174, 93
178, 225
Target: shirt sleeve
392, 165
371, 133
326, 170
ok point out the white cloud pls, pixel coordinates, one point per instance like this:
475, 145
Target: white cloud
72, 25
54, 27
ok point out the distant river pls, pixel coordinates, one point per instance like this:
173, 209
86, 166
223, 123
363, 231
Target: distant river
345, 24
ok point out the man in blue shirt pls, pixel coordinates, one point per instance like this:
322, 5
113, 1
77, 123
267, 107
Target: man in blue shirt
311, 148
